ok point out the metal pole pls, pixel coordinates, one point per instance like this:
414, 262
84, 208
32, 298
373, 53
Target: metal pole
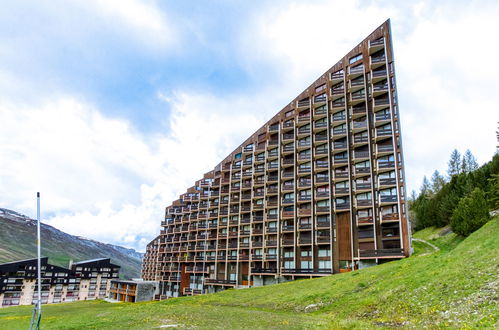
37, 309
39, 268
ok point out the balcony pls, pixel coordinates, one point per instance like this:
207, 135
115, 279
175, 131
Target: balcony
323, 224
358, 126
340, 161
387, 182
336, 76
323, 239
303, 131
378, 75
305, 241
381, 253
263, 270
360, 155
343, 206
338, 91
364, 202
339, 132
288, 125
288, 148
340, 103
304, 183
376, 45
288, 214
388, 199
303, 170
321, 179
322, 194
304, 118
386, 165
288, 201
303, 103
383, 149
288, 187
320, 112
304, 198
321, 164
358, 111
363, 186
355, 71
322, 209
338, 118
382, 118
377, 61
274, 128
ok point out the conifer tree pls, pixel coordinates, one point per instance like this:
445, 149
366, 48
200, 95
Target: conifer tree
469, 162
454, 164
437, 181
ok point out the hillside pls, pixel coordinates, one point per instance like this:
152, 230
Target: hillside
450, 284
18, 241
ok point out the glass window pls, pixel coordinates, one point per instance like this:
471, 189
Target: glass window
324, 252
306, 264
355, 58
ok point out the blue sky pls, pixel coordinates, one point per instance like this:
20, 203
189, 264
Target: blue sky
112, 108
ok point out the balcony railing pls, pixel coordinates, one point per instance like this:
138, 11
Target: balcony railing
388, 198
381, 253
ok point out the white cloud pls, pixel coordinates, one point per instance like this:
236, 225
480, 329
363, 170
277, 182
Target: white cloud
142, 17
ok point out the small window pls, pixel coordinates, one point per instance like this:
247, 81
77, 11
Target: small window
355, 58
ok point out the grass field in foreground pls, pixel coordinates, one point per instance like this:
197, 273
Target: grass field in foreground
453, 287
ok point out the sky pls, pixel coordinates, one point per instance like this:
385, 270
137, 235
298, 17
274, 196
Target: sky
112, 108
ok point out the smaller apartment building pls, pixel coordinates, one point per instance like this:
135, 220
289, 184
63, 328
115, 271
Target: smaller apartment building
84, 280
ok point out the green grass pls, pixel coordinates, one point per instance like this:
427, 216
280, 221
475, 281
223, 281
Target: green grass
454, 287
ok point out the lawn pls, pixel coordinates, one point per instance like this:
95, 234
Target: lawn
453, 287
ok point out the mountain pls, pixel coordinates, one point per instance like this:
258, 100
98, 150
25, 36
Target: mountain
18, 241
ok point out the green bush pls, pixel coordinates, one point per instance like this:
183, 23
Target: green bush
471, 213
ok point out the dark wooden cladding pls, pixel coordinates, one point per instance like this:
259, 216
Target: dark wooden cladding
344, 229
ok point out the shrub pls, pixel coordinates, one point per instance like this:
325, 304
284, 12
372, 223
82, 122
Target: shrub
471, 213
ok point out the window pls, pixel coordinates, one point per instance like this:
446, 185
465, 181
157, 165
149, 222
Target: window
364, 164
238, 156
342, 184
323, 203
289, 113
289, 264
364, 196
355, 58
306, 264
288, 254
324, 264
324, 253
387, 175
306, 253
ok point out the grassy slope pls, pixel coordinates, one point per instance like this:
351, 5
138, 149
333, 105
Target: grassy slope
456, 287
17, 241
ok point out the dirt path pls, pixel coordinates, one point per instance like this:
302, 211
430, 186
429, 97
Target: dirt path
435, 248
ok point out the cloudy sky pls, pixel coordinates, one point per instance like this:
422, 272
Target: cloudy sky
111, 108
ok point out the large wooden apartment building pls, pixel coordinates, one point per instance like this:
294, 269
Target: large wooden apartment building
84, 280
319, 189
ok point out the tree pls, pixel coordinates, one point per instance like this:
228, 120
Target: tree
469, 163
437, 181
471, 213
454, 163
425, 186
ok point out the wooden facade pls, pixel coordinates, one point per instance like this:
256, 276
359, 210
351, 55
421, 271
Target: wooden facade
317, 190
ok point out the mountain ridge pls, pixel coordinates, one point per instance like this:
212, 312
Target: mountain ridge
18, 238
